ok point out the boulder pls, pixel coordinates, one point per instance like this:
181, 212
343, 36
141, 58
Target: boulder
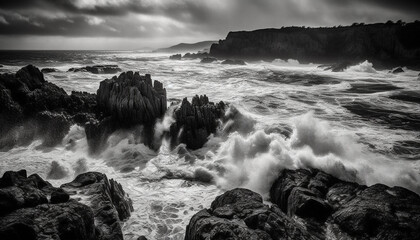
31, 208
195, 121
347, 210
241, 214
175, 57
64, 221
208, 60
107, 199
234, 62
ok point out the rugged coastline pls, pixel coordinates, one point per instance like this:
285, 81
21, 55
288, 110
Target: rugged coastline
386, 45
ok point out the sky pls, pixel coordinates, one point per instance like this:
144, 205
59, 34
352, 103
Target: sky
143, 24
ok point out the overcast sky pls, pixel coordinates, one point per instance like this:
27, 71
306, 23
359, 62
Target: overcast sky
137, 24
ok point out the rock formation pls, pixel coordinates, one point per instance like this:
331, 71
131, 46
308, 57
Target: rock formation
26, 99
241, 214
208, 60
98, 69
234, 62
347, 210
132, 99
175, 57
49, 70
106, 198
195, 121
311, 204
31, 208
385, 45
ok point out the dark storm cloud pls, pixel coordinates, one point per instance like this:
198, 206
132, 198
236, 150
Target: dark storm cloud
198, 19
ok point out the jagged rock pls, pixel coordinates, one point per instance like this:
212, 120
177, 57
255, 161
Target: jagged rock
347, 210
194, 122
208, 60
384, 45
26, 100
26, 213
49, 70
234, 62
397, 70
175, 57
98, 69
109, 202
241, 214
131, 99
196, 55
65, 221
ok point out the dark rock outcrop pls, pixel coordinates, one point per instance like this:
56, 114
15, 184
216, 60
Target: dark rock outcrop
175, 57
397, 70
347, 210
107, 199
98, 69
26, 100
241, 214
49, 70
195, 121
311, 204
196, 55
384, 45
208, 60
31, 208
234, 62
132, 99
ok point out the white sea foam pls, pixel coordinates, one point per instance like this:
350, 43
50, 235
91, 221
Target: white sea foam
365, 66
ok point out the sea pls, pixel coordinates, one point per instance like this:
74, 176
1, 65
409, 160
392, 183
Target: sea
360, 125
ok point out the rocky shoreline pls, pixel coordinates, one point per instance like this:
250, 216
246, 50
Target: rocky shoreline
31, 208
304, 203
311, 204
32, 108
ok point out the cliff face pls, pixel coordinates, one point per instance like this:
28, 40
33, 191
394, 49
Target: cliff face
383, 44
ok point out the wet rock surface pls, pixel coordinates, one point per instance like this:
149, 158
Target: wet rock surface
311, 204
108, 201
241, 214
31, 208
344, 209
195, 121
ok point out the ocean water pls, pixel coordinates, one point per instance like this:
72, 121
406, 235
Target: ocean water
360, 125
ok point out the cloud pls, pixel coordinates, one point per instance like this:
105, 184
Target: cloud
187, 19
94, 20
3, 20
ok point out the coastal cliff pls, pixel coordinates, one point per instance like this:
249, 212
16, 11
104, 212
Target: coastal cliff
384, 44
